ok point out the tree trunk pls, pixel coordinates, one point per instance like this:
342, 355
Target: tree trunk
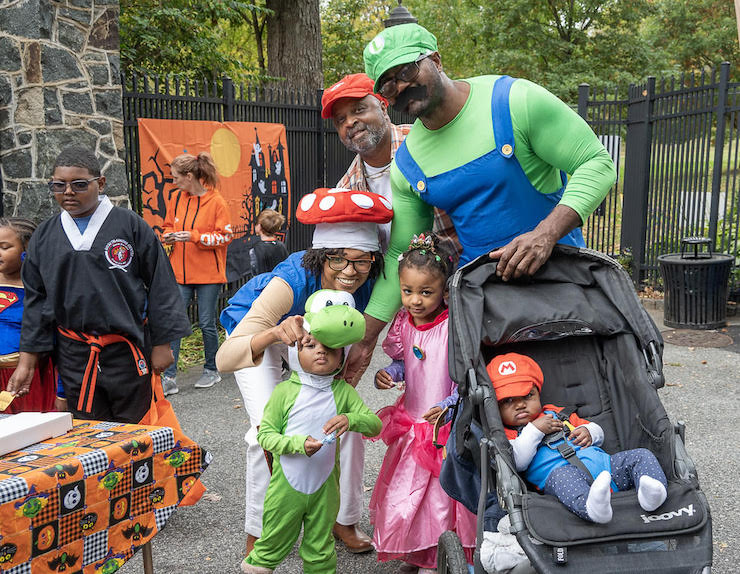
294, 43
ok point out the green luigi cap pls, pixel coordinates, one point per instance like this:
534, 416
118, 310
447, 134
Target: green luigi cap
395, 46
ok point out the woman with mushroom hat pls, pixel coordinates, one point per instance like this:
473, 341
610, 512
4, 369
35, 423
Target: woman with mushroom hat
345, 255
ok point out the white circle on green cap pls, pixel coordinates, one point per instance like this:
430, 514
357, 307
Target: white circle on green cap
376, 44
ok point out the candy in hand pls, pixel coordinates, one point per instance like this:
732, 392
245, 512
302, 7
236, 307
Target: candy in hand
330, 438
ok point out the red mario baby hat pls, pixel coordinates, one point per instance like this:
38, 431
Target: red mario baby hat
513, 375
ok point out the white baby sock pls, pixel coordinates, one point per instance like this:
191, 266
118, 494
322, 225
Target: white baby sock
651, 493
599, 501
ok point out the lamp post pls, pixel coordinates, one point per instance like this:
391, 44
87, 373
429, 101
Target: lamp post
400, 15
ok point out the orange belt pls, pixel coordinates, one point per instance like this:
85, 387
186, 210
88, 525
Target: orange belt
96, 343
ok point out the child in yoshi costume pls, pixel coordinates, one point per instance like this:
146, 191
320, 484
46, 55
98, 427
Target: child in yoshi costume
301, 426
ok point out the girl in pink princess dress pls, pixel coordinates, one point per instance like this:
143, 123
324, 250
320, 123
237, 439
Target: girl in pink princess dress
408, 507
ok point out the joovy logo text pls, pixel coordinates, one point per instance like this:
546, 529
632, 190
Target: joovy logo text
688, 510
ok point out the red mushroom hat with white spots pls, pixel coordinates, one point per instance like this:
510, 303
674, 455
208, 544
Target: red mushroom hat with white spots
344, 218
326, 205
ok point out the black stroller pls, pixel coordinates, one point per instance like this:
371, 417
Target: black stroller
580, 318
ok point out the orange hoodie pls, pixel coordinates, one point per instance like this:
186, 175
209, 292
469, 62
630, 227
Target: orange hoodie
203, 258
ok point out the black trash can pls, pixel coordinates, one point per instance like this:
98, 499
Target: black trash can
696, 286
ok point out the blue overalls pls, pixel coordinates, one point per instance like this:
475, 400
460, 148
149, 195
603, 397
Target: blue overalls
492, 190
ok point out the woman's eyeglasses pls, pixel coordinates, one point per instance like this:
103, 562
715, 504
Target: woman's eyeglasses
405, 74
77, 185
337, 263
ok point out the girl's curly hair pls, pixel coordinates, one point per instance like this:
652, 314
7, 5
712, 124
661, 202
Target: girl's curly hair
314, 259
428, 251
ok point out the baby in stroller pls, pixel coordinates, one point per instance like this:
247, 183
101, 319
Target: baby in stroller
558, 451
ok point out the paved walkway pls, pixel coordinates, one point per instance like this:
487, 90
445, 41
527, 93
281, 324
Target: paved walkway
702, 387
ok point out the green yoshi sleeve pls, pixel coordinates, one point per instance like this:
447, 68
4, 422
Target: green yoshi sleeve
411, 216
361, 418
275, 420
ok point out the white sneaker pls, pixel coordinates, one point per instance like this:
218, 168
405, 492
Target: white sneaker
207, 379
169, 385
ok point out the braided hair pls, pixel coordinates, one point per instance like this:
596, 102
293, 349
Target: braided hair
22, 227
426, 251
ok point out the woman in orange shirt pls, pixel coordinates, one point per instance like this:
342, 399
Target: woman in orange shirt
198, 227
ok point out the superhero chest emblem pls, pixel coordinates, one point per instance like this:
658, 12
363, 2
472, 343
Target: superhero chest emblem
7, 298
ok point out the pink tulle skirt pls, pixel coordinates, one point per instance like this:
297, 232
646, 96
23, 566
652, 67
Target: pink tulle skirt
408, 507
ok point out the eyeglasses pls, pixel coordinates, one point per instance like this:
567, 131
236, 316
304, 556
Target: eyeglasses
405, 74
77, 185
337, 263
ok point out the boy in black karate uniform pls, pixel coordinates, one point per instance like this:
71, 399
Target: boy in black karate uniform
101, 294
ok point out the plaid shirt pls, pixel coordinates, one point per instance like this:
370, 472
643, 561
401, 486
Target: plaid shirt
354, 178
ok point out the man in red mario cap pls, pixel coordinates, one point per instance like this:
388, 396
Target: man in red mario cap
364, 127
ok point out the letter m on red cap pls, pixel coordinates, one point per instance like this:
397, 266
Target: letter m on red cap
507, 368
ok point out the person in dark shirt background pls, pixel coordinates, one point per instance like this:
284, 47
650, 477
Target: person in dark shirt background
269, 250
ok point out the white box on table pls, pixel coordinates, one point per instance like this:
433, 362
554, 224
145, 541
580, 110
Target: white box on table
19, 431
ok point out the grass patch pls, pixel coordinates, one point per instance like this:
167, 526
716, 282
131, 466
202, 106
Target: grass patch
191, 349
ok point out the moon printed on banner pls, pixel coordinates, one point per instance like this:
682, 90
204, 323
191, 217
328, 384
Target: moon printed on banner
226, 151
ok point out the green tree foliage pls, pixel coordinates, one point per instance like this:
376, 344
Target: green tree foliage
346, 27
195, 38
698, 33
557, 43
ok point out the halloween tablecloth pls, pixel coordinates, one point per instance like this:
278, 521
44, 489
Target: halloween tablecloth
86, 501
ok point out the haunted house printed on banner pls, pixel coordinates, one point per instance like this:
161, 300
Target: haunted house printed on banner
251, 160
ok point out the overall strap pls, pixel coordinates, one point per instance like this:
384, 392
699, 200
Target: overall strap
503, 130
410, 169
557, 440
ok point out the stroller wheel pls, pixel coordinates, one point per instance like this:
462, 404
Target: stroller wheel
450, 555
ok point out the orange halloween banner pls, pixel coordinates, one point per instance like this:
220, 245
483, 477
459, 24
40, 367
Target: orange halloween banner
251, 159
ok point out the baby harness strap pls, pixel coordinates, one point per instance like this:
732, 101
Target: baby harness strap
96, 344
556, 440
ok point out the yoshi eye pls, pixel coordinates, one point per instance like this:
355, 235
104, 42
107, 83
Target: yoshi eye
346, 303
329, 303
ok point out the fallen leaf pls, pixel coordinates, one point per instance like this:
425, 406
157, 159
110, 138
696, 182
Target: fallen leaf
211, 497
703, 362
237, 406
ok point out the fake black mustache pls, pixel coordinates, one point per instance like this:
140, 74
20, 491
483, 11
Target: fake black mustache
410, 93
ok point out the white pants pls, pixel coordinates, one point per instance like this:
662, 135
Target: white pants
256, 385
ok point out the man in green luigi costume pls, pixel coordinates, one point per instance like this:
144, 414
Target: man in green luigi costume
301, 426
516, 169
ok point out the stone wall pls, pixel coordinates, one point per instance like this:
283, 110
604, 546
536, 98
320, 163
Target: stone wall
59, 85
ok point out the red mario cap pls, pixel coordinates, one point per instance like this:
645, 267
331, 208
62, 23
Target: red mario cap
513, 375
352, 86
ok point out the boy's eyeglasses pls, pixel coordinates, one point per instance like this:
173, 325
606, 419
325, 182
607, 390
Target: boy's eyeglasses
337, 263
405, 74
77, 185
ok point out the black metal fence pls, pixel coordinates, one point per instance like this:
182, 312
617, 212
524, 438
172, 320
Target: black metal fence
675, 144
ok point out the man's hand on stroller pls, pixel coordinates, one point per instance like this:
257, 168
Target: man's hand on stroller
526, 253
548, 424
580, 436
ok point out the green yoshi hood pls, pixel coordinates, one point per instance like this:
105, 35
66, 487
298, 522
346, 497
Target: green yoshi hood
332, 319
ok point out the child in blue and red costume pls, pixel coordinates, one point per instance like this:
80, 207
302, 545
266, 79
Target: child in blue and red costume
517, 380
15, 232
